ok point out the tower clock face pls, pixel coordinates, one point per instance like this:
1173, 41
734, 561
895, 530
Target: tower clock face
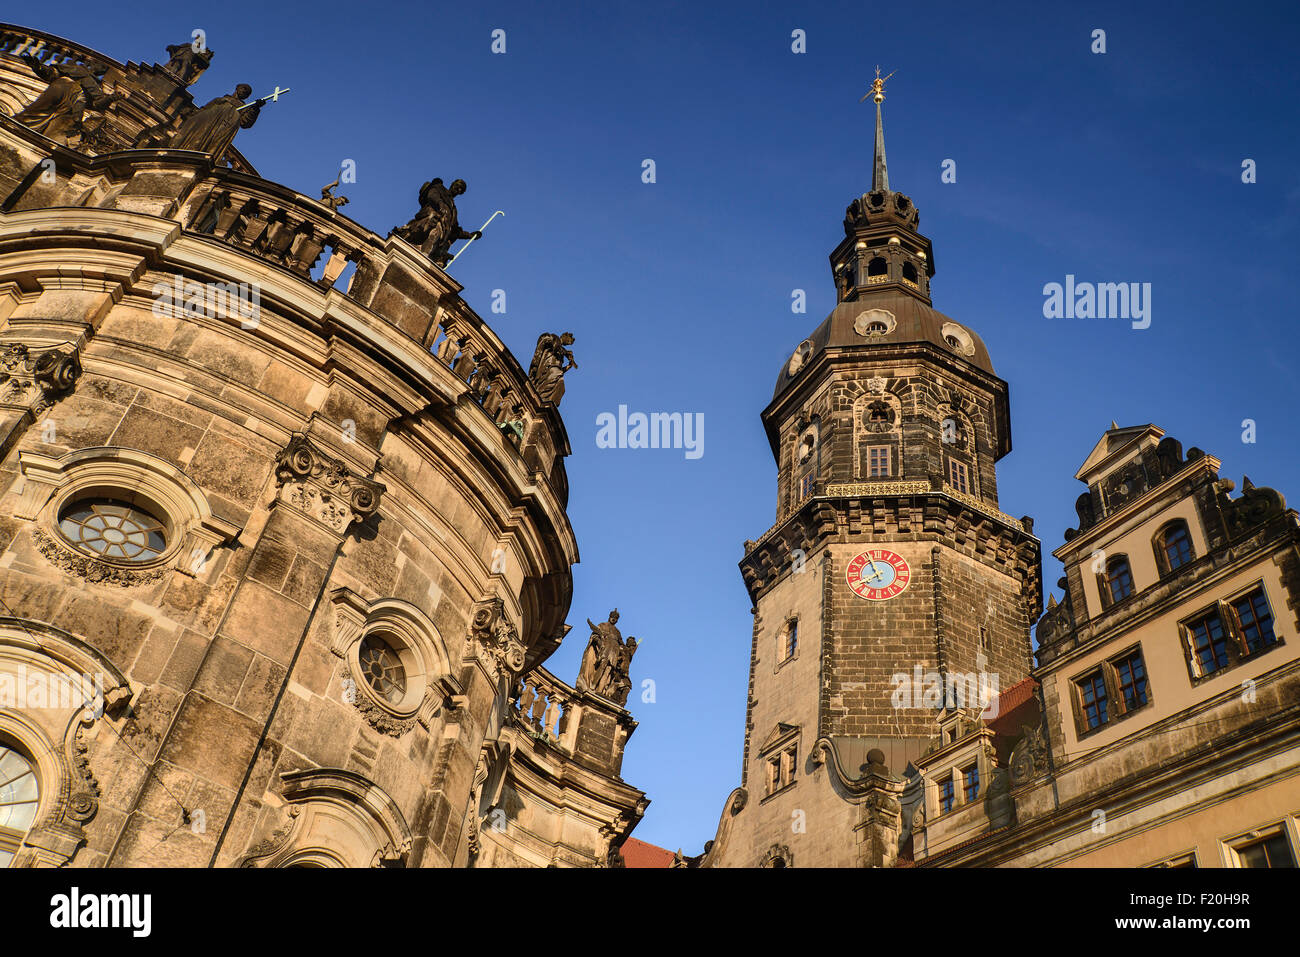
878, 574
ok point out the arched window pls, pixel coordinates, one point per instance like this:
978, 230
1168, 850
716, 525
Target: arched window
1119, 578
877, 267
789, 640
20, 793
909, 272
1173, 546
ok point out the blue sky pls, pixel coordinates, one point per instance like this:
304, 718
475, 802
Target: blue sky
1123, 166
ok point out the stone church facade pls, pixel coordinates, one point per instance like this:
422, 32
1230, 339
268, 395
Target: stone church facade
899, 714
284, 544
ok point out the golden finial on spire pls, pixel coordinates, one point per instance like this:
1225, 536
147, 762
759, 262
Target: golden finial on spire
877, 91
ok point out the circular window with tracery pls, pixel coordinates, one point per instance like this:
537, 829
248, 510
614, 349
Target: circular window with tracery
109, 529
382, 669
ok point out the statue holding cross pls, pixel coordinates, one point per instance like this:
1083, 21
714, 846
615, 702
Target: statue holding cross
212, 127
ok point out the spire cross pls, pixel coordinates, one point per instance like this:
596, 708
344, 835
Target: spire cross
877, 91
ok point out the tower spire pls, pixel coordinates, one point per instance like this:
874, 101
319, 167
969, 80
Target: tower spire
879, 169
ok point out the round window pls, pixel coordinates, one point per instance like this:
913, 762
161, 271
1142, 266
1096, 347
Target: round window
382, 669
106, 528
19, 791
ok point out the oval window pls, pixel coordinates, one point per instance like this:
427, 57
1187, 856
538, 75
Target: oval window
110, 529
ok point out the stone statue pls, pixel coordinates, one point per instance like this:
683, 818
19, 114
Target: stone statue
437, 225
328, 198
606, 661
551, 360
73, 89
212, 127
187, 63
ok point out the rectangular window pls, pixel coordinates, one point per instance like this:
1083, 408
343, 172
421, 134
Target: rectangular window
780, 768
1092, 699
1271, 851
878, 461
970, 783
788, 758
806, 485
1132, 677
957, 477
790, 640
947, 795
1209, 643
1255, 619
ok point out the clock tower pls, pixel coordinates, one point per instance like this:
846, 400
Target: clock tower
892, 592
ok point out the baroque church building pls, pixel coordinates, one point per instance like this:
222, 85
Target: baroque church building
899, 713
284, 545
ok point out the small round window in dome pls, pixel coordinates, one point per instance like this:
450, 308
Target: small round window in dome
958, 339
874, 323
107, 528
382, 669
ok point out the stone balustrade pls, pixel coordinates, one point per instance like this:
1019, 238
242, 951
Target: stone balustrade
548, 708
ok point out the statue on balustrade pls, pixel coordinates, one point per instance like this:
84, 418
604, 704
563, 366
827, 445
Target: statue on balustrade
607, 661
551, 360
187, 63
437, 225
212, 127
59, 112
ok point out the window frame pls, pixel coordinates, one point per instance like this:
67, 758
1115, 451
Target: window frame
1259, 836
785, 652
888, 451
1236, 646
1117, 708
956, 468
1159, 546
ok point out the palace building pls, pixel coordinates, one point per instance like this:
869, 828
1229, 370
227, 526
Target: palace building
281, 503
899, 713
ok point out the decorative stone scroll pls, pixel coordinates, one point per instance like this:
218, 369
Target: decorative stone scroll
36, 380
324, 487
494, 639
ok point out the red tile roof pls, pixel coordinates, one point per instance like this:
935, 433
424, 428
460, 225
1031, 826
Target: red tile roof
1010, 702
640, 854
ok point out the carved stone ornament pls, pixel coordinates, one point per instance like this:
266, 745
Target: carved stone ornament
276, 840
379, 719
876, 385
324, 487
495, 638
91, 569
1029, 756
874, 323
879, 417
36, 379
